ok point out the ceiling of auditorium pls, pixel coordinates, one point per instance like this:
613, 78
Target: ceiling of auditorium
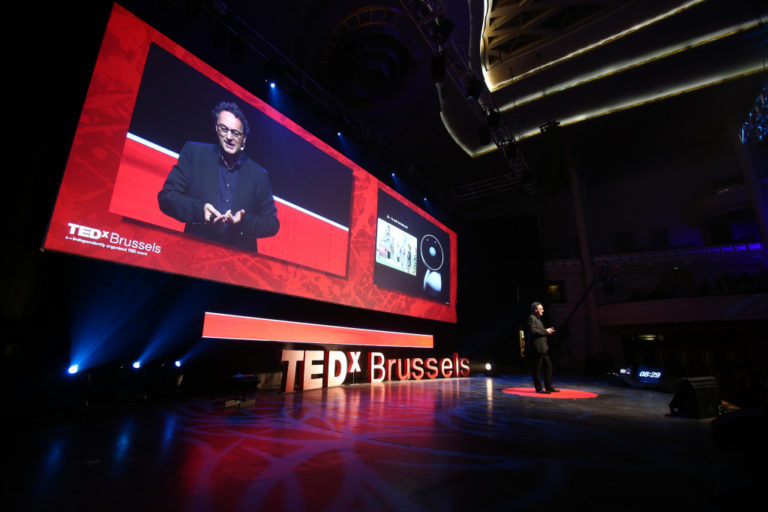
623, 78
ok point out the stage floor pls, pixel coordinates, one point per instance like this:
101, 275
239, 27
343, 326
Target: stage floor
456, 444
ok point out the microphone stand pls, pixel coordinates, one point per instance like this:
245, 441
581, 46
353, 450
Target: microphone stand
564, 325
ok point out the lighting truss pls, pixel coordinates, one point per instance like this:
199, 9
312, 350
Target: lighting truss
435, 29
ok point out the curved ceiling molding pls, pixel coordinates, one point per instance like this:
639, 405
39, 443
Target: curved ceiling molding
570, 61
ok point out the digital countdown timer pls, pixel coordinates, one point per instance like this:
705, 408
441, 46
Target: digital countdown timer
645, 374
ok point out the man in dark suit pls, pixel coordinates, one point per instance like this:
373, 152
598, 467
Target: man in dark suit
217, 191
540, 352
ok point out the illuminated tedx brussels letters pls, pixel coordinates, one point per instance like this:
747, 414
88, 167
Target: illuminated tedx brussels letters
314, 369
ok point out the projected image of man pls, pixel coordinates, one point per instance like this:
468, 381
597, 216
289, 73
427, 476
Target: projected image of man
217, 191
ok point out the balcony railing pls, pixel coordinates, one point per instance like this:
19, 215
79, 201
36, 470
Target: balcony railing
739, 268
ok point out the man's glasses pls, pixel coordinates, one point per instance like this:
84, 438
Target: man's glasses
223, 131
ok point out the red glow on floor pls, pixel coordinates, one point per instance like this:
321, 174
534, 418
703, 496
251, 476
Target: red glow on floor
564, 393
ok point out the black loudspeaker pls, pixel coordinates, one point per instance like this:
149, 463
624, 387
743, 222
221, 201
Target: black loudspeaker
696, 397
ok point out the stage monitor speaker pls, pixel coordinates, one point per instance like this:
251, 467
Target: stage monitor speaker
696, 397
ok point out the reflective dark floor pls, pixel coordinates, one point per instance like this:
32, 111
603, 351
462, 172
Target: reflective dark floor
457, 444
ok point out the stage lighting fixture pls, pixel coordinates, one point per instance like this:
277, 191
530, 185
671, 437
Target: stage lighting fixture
549, 125
474, 88
136, 365
484, 135
271, 85
73, 369
177, 363
482, 368
492, 119
272, 71
438, 68
508, 147
755, 128
338, 134
443, 29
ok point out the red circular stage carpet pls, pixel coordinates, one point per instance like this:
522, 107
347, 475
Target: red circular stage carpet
564, 393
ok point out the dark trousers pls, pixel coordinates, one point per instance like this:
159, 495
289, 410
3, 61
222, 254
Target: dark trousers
542, 360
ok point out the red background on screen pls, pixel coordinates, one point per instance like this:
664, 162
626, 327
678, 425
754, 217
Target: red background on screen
91, 173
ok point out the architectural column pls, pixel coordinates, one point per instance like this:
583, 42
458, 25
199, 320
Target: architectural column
756, 189
594, 345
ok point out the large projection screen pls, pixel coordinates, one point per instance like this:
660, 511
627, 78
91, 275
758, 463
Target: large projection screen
344, 236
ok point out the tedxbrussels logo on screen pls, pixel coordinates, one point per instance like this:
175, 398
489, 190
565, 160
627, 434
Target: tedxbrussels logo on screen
110, 240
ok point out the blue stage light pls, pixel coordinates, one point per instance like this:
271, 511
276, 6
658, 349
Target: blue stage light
177, 363
73, 369
136, 365
272, 85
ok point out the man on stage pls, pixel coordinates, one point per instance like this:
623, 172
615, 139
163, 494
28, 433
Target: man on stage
540, 350
220, 193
